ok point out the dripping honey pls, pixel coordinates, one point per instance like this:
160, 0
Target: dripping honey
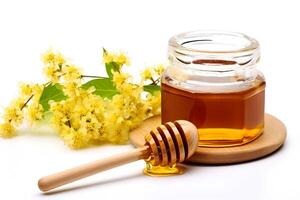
223, 119
158, 170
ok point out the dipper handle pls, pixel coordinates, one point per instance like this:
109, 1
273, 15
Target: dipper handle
64, 177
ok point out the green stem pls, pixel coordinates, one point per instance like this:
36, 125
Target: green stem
153, 81
90, 76
25, 104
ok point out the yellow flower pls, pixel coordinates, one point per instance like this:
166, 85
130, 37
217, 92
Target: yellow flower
25, 89
154, 104
125, 111
53, 73
59, 59
119, 58
37, 90
147, 73
48, 57
107, 57
71, 89
71, 73
122, 59
152, 72
13, 114
159, 69
54, 63
7, 130
18, 103
35, 112
79, 118
119, 78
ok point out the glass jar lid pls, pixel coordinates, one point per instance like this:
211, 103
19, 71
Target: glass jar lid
222, 50
212, 61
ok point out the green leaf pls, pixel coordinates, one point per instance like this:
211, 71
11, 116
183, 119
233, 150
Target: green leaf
152, 89
104, 87
111, 66
51, 92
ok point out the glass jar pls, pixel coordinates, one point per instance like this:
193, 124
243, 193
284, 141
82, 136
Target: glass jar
212, 81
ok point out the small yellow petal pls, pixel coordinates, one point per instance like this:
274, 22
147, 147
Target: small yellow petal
7, 130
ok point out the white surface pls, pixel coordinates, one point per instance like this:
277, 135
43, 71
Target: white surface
79, 29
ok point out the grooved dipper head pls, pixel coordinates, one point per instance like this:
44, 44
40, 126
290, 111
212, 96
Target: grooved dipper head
172, 142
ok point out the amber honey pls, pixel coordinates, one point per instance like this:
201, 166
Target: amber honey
223, 119
158, 170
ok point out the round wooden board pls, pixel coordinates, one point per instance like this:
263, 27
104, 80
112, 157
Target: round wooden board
273, 137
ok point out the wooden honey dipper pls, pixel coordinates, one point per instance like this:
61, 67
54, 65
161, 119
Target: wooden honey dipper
167, 144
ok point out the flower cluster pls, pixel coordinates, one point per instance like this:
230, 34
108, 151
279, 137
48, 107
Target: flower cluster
85, 116
153, 73
119, 58
14, 113
79, 118
58, 70
126, 110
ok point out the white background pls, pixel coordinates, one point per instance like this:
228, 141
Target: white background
79, 29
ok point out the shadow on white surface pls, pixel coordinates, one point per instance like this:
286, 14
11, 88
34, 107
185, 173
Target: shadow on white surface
38, 130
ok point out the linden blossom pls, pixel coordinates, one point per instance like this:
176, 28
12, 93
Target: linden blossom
104, 109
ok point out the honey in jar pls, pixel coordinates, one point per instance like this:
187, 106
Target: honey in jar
213, 82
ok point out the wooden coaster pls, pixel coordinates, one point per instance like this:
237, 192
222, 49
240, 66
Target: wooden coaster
273, 137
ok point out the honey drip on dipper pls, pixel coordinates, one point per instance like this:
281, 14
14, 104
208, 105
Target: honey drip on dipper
169, 137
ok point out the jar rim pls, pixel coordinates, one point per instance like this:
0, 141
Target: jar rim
213, 50
212, 59
179, 41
